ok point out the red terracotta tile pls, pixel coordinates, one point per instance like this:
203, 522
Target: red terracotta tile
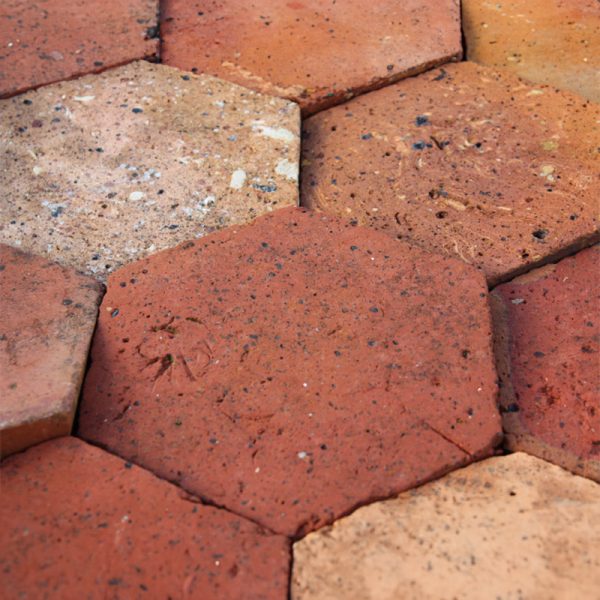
316, 53
47, 319
546, 41
77, 522
294, 368
465, 161
547, 342
50, 40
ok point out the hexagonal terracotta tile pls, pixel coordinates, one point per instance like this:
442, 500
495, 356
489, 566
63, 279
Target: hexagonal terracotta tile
48, 40
509, 527
75, 519
316, 53
546, 41
547, 343
47, 319
294, 368
464, 161
106, 169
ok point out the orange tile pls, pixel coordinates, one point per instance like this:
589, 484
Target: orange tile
465, 161
313, 52
544, 41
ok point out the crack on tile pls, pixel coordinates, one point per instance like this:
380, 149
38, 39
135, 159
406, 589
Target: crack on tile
446, 438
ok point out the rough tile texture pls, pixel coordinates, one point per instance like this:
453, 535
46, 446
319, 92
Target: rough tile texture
510, 527
547, 331
316, 53
46, 323
48, 40
75, 518
109, 168
304, 367
464, 161
546, 41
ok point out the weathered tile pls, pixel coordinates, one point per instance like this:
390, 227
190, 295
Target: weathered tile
509, 527
316, 53
139, 537
547, 334
545, 41
464, 161
109, 168
47, 318
294, 368
48, 40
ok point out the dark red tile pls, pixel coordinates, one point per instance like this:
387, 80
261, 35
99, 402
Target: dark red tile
294, 368
78, 522
316, 53
547, 343
49, 40
464, 161
47, 318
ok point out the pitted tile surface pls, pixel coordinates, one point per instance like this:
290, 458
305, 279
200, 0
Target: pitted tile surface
465, 161
47, 317
314, 52
44, 41
303, 367
547, 335
507, 527
76, 521
109, 168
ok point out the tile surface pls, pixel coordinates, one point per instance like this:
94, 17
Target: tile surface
78, 522
464, 161
106, 169
316, 53
47, 318
304, 367
44, 41
546, 41
509, 527
547, 331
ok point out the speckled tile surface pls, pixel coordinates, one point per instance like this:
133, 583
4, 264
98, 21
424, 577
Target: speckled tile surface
303, 367
109, 168
47, 318
260, 371
318, 53
43, 41
507, 527
547, 332
545, 41
464, 161
76, 522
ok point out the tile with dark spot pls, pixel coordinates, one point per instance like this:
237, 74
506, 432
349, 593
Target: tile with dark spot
464, 161
547, 334
109, 168
545, 41
507, 527
316, 53
294, 368
44, 41
47, 317
77, 522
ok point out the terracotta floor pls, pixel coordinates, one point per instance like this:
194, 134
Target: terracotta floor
299, 300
